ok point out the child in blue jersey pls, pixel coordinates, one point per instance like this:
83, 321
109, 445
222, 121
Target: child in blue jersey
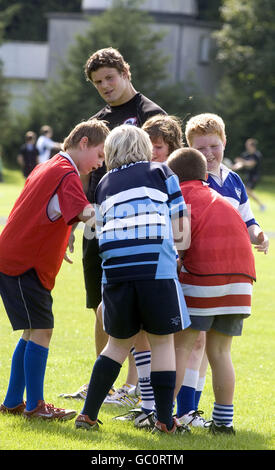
206, 133
141, 215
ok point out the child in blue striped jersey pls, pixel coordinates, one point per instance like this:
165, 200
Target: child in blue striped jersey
141, 215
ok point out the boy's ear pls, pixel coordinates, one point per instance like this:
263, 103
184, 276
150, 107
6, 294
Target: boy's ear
84, 140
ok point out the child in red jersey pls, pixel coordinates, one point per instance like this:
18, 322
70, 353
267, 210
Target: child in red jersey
217, 275
32, 247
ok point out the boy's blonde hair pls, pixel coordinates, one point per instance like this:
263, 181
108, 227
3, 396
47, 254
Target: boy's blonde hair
204, 124
127, 144
167, 127
188, 164
95, 130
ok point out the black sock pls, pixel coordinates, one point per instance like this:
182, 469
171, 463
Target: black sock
104, 374
163, 383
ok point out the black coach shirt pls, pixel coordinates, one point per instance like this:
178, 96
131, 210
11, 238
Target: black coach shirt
135, 112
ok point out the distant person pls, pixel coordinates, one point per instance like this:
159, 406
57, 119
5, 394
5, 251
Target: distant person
28, 154
32, 247
250, 161
45, 143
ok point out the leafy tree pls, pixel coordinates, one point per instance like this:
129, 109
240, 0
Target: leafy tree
71, 98
209, 9
246, 52
4, 96
29, 19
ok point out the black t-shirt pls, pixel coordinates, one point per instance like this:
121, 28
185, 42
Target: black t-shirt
135, 112
255, 157
30, 154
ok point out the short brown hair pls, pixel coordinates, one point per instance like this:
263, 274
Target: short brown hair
30, 135
108, 57
45, 129
188, 164
95, 130
167, 127
204, 124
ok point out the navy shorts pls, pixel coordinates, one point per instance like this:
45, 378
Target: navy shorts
27, 303
92, 272
231, 324
155, 306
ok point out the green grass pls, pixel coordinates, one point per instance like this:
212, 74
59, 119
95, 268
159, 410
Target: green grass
72, 354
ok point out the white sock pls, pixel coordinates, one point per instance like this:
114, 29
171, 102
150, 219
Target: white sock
143, 365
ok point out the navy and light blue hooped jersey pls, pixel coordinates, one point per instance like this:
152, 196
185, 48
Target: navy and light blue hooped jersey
134, 207
232, 188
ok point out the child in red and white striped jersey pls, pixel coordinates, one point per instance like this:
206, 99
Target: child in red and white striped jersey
217, 275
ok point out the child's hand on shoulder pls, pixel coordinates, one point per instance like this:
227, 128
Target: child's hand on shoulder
262, 242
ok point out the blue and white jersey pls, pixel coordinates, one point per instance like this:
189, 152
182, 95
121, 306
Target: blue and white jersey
134, 207
232, 188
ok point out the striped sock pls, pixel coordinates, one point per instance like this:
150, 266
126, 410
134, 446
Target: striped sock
223, 414
143, 365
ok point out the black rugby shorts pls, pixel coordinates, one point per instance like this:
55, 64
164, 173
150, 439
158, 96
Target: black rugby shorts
28, 304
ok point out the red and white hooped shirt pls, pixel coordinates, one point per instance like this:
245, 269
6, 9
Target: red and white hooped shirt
219, 267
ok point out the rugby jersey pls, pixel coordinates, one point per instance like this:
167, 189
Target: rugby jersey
134, 207
232, 188
219, 266
30, 239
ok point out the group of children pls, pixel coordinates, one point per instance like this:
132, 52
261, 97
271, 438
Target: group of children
175, 229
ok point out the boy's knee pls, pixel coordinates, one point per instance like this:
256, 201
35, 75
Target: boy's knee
200, 342
41, 336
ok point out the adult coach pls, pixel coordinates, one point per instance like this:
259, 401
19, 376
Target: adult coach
110, 74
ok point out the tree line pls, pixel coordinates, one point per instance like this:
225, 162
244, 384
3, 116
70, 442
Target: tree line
245, 95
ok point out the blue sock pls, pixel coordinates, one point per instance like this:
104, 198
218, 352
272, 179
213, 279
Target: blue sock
104, 374
185, 400
197, 398
163, 384
35, 367
16, 386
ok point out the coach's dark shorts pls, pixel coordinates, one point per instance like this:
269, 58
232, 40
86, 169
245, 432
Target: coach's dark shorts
156, 306
27, 303
92, 272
